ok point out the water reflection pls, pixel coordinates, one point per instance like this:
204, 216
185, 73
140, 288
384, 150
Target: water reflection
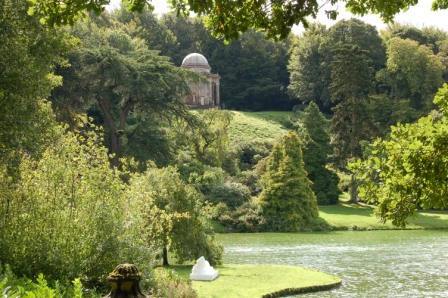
371, 263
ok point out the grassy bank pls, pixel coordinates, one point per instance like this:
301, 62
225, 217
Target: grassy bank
261, 125
241, 281
349, 217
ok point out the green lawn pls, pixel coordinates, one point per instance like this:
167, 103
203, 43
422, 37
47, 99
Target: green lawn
261, 125
241, 281
345, 216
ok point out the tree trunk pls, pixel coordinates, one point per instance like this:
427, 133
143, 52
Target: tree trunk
115, 134
165, 256
109, 123
353, 143
353, 191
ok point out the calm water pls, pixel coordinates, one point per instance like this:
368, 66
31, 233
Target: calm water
371, 263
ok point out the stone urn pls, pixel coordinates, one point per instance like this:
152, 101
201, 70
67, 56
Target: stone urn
125, 281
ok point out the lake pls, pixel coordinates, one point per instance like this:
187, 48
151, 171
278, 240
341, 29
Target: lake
370, 263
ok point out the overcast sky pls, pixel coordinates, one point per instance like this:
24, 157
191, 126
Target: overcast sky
419, 15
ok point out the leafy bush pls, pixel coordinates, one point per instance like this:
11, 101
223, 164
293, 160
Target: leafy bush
201, 175
248, 154
246, 218
233, 194
325, 186
169, 285
68, 216
344, 181
11, 286
251, 180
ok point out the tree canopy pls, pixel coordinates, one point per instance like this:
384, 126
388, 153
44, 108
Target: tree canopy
230, 18
408, 170
29, 53
124, 78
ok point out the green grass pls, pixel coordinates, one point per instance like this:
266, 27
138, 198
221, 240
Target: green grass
279, 117
346, 216
241, 281
259, 125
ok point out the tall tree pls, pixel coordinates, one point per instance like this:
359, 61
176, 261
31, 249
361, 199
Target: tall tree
307, 68
176, 217
148, 27
121, 75
428, 36
361, 34
287, 201
29, 54
208, 140
259, 68
312, 61
191, 36
314, 130
413, 72
351, 84
408, 170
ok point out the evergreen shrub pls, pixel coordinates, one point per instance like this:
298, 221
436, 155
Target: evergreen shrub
233, 194
247, 218
287, 201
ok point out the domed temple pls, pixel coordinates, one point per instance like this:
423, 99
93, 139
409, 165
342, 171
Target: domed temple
204, 93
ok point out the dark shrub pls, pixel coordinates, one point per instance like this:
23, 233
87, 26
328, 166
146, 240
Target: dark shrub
233, 194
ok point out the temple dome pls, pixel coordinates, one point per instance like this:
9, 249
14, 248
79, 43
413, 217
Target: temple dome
195, 60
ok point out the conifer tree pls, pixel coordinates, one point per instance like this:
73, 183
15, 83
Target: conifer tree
314, 131
287, 201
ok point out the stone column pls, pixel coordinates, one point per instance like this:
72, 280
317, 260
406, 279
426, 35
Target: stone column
210, 102
218, 96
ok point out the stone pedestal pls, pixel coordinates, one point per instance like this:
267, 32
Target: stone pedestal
125, 282
203, 271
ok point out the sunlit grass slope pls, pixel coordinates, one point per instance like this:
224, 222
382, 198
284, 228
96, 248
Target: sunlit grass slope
346, 216
239, 281
249, 126
269, 126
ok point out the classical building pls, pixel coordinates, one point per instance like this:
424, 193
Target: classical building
204, 93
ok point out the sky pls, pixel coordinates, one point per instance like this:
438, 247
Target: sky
418, 16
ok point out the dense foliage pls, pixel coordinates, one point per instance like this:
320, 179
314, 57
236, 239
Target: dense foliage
229, 19
12, 286
176, 219
119, 76
407, 171
365, 81
65, 215
314, 130
287, 201
29, 55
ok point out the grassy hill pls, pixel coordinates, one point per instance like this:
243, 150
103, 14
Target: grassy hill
270, 126
257, 125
